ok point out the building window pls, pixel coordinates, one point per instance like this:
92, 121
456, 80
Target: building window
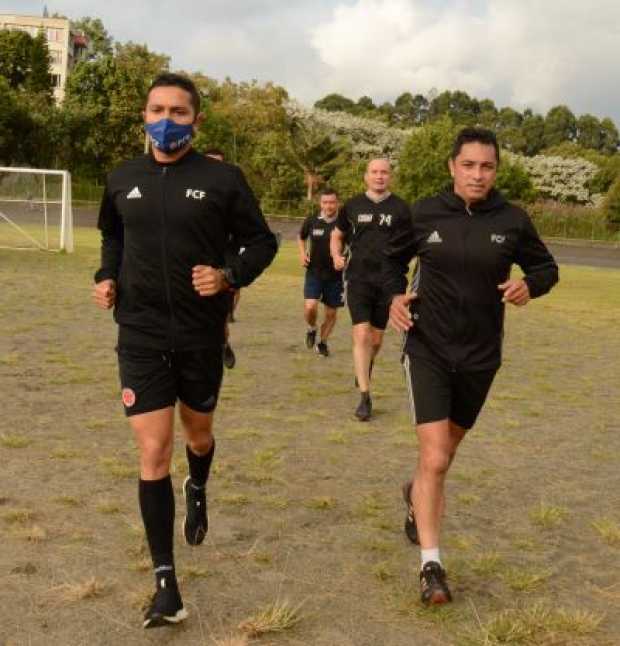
56, 80
54, 35
55, 57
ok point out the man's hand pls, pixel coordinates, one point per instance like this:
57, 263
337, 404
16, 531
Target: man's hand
304, 259
208, 281
515, 291
104, 294
339, 262
400, 315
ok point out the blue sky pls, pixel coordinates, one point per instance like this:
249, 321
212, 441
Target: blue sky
523, 53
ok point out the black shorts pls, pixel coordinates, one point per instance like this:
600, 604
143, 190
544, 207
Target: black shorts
329, 292
436, 392
152, 379
367, 303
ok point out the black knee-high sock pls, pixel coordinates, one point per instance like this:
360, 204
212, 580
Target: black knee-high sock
157, 507
199, 465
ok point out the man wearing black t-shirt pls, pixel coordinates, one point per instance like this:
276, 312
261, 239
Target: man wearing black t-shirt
323, 282
368, 220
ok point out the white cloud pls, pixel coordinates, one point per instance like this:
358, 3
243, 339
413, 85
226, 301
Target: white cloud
535, 53
518, 52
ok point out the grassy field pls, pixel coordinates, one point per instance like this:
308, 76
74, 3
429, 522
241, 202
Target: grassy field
306, 544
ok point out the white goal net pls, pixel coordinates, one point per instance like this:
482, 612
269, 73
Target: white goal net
35, 209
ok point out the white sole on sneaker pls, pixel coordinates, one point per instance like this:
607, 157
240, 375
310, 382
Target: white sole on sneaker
177, 618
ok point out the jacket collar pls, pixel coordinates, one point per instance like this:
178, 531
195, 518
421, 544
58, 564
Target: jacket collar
454, 202
187, 157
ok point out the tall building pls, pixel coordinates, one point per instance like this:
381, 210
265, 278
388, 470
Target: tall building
66, 47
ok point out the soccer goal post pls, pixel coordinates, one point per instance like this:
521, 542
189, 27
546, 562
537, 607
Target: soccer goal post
35, 209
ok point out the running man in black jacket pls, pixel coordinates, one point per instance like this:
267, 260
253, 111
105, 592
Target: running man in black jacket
367, 221
466, 240
165, 221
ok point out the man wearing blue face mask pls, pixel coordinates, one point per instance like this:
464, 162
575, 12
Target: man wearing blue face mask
166, 219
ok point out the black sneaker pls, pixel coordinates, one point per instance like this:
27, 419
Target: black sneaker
433, 586
166, 606
411, 528
196, 524
322, 349
364, 408
310, 339
229, 356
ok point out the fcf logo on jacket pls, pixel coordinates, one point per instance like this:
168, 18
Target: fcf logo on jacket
195, 193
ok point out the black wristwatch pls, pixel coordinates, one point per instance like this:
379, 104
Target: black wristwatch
229, 276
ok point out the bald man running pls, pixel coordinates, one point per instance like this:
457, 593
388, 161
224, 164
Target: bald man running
367, 221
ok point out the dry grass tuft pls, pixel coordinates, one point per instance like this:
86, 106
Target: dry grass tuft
538, 624
33, 534
277, 617
232, 640
13, 441
608, 530
90, 589
548, 516
321, 502
18, 516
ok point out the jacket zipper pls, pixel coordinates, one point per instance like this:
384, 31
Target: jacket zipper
463, 270
165, 259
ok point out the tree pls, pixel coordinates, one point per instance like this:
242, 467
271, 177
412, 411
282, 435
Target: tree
104, 100
589, 133
423, 168
335, 103
560, 125
610, 138
457, 105
15, 125
612, 201
315, 152
25, 62
39, 79
365, 104
15, 56
99, 41
410, 110
488, 117
533, 128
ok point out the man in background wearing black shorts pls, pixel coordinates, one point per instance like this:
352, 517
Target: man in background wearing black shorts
466, 240
367, 220
165, 221
322, 282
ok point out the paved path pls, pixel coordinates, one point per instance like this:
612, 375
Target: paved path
565, 252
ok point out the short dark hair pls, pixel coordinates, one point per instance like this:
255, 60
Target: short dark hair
169, 79
215, 152
328, 190
474, 135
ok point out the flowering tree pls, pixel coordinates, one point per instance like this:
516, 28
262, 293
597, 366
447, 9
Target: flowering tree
557, 178
367, 137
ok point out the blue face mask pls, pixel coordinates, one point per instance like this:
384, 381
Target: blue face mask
169, 136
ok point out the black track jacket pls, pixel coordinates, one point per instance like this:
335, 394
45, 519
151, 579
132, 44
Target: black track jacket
464, 254
160, 220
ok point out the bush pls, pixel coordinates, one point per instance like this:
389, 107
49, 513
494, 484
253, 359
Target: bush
612, 202
514, 182
423, 167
